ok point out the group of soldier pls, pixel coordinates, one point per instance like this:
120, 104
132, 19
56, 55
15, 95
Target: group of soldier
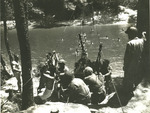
90, 81
85, 85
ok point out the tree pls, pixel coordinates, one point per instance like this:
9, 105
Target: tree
4, 12
23, 37
9, 9
51, 7
143, 25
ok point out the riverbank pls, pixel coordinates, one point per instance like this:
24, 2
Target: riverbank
125, 16
139, 103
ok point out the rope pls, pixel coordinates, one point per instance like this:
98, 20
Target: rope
94, 26
118, 98
115, 90
64, 30
112, 81
27, 82
8, 99
69, 20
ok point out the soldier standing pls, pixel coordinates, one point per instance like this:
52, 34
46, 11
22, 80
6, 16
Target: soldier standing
132, 61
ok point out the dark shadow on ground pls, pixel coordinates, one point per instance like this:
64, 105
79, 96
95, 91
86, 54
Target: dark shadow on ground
119, 99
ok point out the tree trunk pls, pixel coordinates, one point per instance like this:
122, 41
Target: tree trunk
4, 70
5, 32
23, 37
143, 25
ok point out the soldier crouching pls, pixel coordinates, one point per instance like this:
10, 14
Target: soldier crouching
96, 85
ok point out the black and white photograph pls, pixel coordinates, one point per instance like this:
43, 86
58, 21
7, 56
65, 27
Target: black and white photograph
75, 56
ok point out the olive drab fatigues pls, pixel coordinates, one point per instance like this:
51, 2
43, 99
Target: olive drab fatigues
42, 78
78, 92
133, 64
96, 85
49, 83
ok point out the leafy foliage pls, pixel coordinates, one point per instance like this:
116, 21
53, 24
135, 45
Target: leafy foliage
47, 12
9, 12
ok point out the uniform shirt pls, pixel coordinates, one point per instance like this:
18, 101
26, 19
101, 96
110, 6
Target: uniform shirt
133, 59
95, 84
78, 90
16, 67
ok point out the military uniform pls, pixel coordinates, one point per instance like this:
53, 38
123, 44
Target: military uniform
17, 73
133, 60
79, 92
96, 85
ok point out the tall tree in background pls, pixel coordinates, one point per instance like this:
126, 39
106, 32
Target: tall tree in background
9, 13
23, 37
4, 12
143, 25
51, 7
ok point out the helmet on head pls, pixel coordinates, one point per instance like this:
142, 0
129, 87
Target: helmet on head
132, 31
54, 51
66, 78
62, 61
88, 71
14, 62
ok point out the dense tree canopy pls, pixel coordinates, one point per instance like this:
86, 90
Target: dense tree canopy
60, 9
52, 7
9, 11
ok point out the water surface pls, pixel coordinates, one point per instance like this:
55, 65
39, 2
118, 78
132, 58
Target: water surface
65, 41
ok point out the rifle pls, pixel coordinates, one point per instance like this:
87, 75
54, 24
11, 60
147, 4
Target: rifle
82, 44
98, 58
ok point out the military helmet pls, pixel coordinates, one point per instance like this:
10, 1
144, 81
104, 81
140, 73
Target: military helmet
66, 78
14, 63
62, 61
131, 30
88, 71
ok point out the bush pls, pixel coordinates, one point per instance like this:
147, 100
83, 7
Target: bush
47, 21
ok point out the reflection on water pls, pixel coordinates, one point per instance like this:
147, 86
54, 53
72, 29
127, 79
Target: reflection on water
65, 41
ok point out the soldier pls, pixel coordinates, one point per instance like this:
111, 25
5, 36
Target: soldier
59, 71
62, 68
42, 78
132, 61
49, 86
76, 90
96, 85
47, 81
17, 71
81, 64
106, 71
